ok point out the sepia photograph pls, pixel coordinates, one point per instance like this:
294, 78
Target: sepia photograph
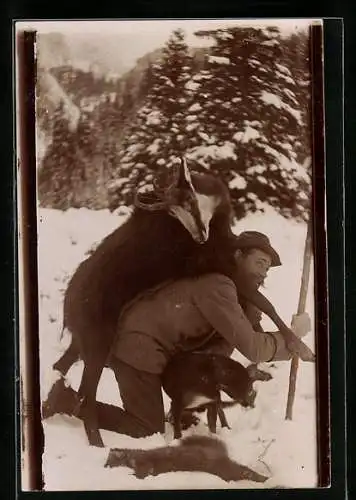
174, 172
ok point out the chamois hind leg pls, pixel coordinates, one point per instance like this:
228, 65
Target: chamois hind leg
70, 356
94, 362
177, 410
57, 399
222, 417
212, 416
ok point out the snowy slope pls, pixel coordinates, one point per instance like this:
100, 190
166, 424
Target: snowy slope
259, 438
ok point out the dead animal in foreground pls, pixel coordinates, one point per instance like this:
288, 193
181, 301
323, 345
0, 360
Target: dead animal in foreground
194, 453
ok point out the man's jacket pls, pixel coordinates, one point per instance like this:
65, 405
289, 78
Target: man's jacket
185, 315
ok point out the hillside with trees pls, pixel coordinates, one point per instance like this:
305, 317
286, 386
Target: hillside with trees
240, 108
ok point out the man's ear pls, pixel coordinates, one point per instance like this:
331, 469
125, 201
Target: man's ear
238, 253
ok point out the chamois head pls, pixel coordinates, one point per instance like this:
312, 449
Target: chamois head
192, 198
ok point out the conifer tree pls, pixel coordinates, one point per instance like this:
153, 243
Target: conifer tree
54, 176
250, 122
157, 136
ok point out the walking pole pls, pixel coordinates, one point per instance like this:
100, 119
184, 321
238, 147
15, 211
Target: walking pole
301, 308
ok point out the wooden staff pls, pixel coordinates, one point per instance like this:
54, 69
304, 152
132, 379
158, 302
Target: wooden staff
301, 308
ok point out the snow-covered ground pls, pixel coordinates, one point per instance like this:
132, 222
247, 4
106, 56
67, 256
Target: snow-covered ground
260, 438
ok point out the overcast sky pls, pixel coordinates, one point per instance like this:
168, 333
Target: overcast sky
147, 35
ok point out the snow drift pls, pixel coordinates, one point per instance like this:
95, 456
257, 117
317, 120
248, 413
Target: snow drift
259, 438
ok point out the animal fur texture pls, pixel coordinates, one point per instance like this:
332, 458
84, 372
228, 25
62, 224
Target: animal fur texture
195, 379
194, 453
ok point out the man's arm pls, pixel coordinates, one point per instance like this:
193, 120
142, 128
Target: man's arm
216, 298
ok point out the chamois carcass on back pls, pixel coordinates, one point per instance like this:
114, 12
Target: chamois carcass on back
176, 232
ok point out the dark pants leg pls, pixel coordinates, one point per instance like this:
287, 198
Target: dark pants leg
141, 395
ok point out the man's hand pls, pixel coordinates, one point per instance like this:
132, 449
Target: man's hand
297, 347
301, 324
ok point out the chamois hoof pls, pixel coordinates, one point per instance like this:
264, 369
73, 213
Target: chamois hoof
95, 439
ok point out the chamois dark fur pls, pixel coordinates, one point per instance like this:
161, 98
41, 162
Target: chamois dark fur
151, 247
191, 376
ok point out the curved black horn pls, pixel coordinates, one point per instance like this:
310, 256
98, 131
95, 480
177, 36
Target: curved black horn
184, 176
176, 172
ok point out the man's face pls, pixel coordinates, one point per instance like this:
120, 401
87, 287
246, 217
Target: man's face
255, 265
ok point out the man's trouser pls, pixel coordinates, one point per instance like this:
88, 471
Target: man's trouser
141, 395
